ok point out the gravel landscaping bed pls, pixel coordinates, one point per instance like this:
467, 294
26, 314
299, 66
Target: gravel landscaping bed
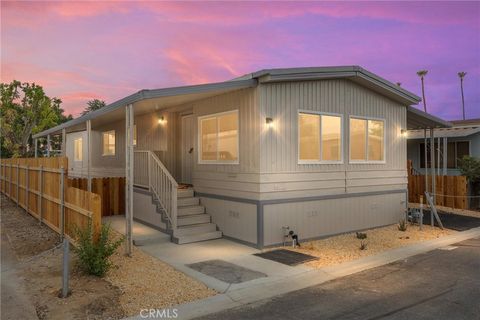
134, 283
346, 247
146, 282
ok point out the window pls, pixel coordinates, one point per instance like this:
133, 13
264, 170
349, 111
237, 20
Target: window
219, 138
109, 143
78, 149
455, 150
367, 140
319, 138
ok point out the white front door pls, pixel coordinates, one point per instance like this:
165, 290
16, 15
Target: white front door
187, 148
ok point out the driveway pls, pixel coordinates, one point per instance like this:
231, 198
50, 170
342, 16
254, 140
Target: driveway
440, 284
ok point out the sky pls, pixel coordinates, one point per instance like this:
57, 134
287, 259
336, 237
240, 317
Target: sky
79, 51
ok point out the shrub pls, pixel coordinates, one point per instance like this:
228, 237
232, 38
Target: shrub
93, 252
363, 245
402, 225
361, 235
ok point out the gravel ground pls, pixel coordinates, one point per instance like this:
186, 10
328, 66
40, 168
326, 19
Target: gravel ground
136, 282
346, 247
146, 282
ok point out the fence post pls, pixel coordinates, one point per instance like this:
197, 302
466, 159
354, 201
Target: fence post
40, 195
18, 184
10, 180
66, 254
62, 204
26, 187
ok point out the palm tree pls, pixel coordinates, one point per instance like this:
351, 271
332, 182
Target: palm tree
422, 74
462, 75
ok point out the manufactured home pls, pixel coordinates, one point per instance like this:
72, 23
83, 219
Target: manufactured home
450, 146
319, 150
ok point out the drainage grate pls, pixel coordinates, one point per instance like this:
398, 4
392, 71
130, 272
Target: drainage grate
288, 257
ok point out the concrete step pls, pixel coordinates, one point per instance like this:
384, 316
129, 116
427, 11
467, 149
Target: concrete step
193, 219
191, 201
197, 237
189, 210
195, 229
185, 193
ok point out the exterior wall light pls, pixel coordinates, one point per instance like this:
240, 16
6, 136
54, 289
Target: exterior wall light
269, 122
403, 132
161, 120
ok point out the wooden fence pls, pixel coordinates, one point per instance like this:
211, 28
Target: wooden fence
111, 190
38, 186
451, 191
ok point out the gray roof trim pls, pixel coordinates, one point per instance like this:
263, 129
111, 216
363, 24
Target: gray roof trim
291, 74
417, 119
150, 94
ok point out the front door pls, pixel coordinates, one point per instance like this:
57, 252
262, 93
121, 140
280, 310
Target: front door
187, 148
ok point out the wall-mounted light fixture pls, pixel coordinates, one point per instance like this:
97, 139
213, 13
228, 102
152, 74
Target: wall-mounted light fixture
403, 132
161, 120
269, 122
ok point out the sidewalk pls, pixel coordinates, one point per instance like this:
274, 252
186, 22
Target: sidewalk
254, 290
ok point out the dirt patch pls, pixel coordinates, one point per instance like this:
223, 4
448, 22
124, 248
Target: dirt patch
27, 237
136, 282
346, 247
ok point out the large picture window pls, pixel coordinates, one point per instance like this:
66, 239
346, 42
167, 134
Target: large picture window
218, 138
109, 143
319, 138
78, 149
367, 140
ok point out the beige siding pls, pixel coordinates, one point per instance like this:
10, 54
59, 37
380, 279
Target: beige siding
279, 156
234, 219
312, 219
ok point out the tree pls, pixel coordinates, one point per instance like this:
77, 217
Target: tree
470, 168
25, 110
422, 74
462, 75
93, 105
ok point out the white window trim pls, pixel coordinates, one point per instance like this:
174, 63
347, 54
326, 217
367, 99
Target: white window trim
74, 150
199, 138
114, 146
320, 161
384, 161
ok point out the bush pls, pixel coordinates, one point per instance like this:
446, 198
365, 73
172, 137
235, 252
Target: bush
361, 235
402, 225
93, 252
363, 245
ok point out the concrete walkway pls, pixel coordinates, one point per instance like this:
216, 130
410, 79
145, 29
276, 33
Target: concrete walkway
279, 280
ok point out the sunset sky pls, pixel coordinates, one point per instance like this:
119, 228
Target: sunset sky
79, 51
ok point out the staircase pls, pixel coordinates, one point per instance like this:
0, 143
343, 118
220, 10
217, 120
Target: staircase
181, 212
193, 224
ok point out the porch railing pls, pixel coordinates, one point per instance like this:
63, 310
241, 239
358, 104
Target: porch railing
150, 172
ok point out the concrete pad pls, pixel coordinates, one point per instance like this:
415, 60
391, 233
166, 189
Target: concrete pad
142, 234
225, 271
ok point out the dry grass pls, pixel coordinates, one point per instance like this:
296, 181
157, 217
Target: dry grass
346, 247
146, 282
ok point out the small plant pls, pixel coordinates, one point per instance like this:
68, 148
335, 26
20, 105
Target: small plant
402, 225
361, 235
363, 245
93, 252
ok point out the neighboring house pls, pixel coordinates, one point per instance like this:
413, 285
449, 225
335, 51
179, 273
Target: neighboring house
320, 150
451, 144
